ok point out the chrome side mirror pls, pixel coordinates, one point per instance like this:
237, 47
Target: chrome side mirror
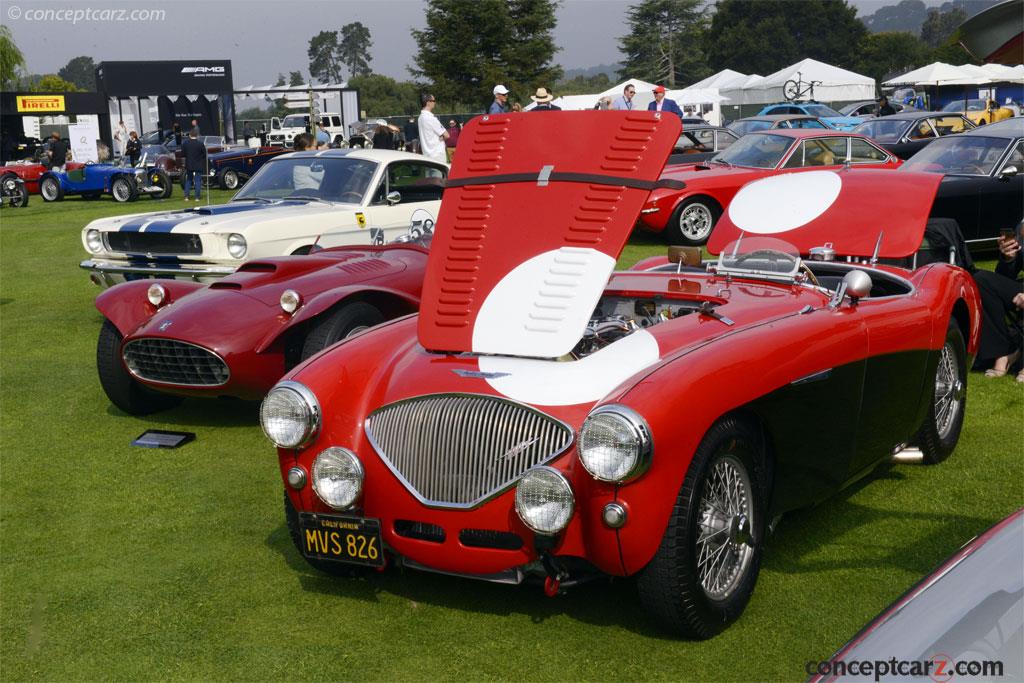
1008, 172
393, 197
856, 284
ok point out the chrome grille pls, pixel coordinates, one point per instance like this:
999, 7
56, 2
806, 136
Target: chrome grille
173, 362
456, 450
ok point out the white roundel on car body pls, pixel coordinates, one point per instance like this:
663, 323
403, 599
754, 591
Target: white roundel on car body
566, 383
784, 202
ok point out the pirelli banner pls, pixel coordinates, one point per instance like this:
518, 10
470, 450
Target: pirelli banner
40, 104
142, 79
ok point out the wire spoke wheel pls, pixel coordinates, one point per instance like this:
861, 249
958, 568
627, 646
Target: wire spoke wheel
120, 190
949, 392
726, 516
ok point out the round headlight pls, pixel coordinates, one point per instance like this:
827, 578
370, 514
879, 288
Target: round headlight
290, 301
615, 444
338, 477
290, 415
236, 245
156, 294
544, 500
94, 241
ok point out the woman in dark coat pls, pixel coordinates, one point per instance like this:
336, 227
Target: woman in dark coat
133, 148
1002, 295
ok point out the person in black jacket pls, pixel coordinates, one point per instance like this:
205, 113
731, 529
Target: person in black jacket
884, 108
1002, 296
133, 148
58, 153
195, 164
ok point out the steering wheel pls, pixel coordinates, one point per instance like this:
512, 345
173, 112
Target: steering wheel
810, 274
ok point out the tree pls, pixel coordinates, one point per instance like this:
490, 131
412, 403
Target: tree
296, 78
383, 96
468, 47
663, 44
907, 15
324, 64
81, 71
884, 55
11, 60
763, 36
583, 85
353, 49
939, 26
54, 83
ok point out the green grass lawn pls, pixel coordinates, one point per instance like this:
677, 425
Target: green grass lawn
128, 563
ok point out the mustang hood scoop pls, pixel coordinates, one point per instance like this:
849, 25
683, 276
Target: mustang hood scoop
536, 210
847, 208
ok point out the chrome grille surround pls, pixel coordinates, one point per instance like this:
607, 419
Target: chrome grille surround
169, 361
459, 450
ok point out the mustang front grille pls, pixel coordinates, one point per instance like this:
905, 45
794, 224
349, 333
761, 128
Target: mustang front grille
173, 362
154, 243
457, 450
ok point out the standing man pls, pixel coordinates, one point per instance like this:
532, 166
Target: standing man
323, 138
120, 138
432, 133
884, 108
195, 128
58, 152
195, 163
500, 103
662, 103
625, 102
543, 101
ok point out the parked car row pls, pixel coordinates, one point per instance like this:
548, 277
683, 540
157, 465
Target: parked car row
525, 425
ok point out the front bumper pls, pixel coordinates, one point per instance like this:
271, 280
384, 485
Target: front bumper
108, 273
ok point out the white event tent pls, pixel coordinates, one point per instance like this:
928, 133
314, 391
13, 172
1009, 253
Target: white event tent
940, 73
837, 85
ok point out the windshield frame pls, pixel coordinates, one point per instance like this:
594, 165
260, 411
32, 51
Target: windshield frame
751, 138
250, 191
732, 255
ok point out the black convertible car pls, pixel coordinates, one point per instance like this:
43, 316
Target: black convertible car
984, 185
906, 134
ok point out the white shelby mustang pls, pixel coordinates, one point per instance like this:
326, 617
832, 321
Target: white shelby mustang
296, 201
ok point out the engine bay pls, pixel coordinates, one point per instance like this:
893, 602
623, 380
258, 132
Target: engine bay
617, 317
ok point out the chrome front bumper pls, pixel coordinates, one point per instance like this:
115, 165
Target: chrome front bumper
108, 273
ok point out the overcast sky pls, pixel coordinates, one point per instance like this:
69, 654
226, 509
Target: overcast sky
264, 38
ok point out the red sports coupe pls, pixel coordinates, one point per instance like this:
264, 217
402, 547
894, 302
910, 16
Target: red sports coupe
163, 340
544, 417
687, 216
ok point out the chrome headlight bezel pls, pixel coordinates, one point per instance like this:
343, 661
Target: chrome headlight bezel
337, 456
290, 301
302, 397
156, 294
237, 246
94, 240
632, 463
556, 480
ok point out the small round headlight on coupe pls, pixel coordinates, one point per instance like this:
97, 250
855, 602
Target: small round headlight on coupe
94, 241
338, 477
157, 295
290, 301
290, 415
544, 500
236, 245
615, 444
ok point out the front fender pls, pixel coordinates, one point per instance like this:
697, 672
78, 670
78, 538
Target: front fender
126, 306
392, 302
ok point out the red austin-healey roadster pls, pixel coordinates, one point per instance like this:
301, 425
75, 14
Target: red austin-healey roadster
544, 417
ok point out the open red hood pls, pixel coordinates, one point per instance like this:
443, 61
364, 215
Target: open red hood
536, 210
847, 208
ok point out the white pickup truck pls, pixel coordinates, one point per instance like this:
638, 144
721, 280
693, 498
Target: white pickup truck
283, 132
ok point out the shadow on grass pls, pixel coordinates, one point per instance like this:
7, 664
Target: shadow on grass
199, 412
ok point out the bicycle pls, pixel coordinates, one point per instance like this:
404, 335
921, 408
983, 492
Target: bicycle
794, 90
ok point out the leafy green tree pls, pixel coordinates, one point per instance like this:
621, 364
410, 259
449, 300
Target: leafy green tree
884, 55
383, 96
763, 36
907, 15
583, 85
468, 47
54, 83
296, 78
11, 60
81, 71
939, 26
354, 49
664, 42
324, 63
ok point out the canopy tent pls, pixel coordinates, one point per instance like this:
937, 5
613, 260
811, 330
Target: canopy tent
836, 85
1005, 74
747, 91
722, 79
939, 73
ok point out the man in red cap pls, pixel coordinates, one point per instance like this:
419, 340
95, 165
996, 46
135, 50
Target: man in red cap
662, 103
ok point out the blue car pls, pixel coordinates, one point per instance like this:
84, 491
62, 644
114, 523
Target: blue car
812, 108
232, 167
123, 183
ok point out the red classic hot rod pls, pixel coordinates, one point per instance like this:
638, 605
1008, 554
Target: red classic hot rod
545, 417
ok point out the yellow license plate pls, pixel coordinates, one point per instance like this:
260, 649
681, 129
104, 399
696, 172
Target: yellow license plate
341, 538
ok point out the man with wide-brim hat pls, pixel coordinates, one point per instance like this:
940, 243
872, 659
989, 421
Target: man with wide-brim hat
542, 101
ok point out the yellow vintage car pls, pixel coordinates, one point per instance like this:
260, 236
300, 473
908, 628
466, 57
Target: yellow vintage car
979, 111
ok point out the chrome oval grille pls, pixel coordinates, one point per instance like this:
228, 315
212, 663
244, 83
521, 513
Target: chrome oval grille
173, 362
457, 450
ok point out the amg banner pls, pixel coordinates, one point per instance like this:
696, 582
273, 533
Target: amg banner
191, 77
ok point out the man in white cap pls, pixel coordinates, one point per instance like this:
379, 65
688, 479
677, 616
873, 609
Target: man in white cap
498, 106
